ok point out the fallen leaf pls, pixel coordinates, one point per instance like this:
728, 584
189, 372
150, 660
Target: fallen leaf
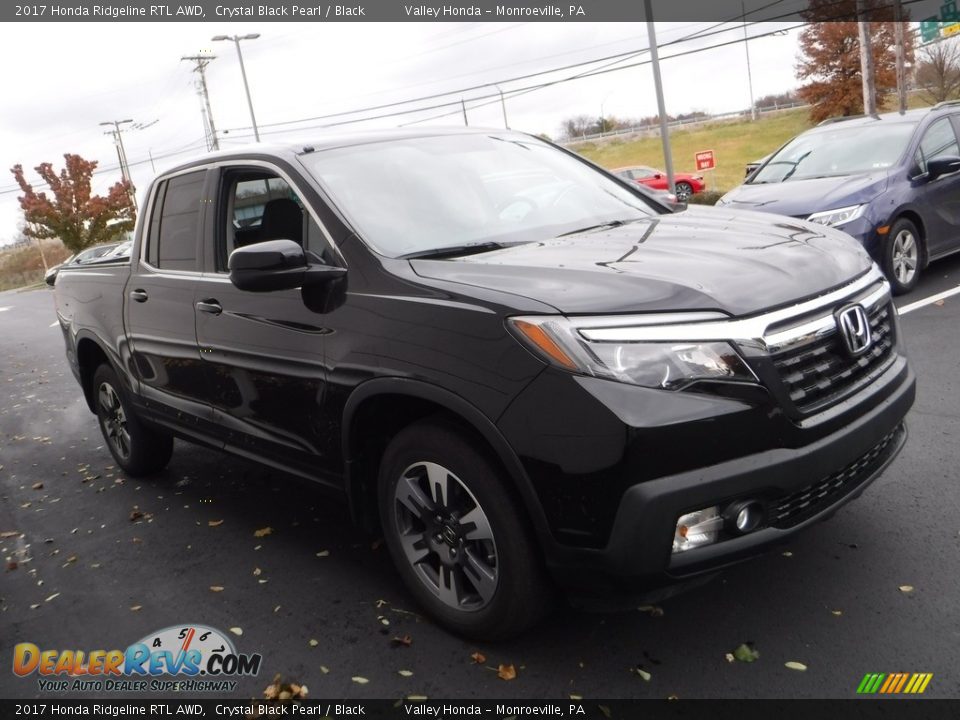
34, 606
263, 532
642, 673
653, 610
38, 486
606, 711
405, 673
135, 608
673, 697
71, 559
838, 613
215, 523
9, 534
313, 643
416, 697
12, 565
405, 641
787, 553
730, 657
325, 553
745, 653
795, 666
216, 588
359, 680
135, 514
55, 595
939, 303
906, 588
507, 672
478, 658
576, 697
324, 669
236, 630
257, 571
277, 609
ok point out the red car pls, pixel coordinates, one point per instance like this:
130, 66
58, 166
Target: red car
686, 184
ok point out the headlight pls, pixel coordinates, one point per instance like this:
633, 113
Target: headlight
838, 217
567, 343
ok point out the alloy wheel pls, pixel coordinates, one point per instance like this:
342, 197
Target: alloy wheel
906, 255
113, 420
446, 536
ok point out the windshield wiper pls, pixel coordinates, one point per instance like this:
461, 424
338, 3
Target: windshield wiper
455, 250
598, 226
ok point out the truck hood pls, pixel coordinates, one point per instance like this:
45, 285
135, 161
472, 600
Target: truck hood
802, 198
716, 259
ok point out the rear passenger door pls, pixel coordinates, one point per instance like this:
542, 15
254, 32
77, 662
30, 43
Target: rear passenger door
264, 351
159, 303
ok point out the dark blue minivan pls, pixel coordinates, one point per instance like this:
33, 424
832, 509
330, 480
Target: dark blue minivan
891, 181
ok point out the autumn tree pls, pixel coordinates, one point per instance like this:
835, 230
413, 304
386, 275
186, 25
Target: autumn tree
938, 71
74, 215
830, 62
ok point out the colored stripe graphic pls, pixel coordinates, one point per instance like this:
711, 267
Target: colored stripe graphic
894, 683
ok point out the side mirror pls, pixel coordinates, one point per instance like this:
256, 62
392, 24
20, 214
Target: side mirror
51, 278
277, 265
657, 176
943, 165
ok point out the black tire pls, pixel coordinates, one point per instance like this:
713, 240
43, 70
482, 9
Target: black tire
487, 567
684, 191
139, 450
902, 256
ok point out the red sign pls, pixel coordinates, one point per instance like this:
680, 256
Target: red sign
705, 160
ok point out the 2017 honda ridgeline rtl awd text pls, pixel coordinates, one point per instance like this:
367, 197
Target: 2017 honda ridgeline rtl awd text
524, 372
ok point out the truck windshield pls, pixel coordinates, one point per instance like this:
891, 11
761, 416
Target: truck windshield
410, 196
837, 151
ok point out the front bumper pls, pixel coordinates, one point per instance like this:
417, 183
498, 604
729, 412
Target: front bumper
819, 477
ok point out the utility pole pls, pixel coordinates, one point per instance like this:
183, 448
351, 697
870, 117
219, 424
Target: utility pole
661, 107
243, 71
746, 48
866, 60
122, 155
463, 106
202, 61
503, 106
901, 56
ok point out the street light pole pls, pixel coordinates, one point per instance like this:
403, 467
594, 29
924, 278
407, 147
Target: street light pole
243, 71
746, 48
661, 106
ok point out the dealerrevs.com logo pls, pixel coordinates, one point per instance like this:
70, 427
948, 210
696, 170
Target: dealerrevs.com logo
186, 658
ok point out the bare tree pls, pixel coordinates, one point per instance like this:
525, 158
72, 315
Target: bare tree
938, 71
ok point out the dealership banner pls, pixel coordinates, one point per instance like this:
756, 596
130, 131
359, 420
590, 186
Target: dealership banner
435, 11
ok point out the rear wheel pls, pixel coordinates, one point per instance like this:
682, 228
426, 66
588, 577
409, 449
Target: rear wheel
458, 536
139, 450
902, 256
684, 191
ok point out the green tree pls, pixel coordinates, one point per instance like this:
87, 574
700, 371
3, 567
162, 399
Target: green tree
74, 214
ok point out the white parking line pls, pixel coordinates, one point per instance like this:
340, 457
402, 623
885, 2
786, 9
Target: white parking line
54, 323
9, 307
928, 301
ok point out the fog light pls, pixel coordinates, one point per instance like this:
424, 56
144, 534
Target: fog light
744, 517
697, 529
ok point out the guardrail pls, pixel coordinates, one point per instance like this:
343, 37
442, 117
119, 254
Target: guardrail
655, 127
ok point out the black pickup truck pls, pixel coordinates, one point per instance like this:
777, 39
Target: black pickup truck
524, 372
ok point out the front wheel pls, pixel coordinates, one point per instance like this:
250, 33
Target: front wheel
684, 191
137, 449
458, 535
902, 256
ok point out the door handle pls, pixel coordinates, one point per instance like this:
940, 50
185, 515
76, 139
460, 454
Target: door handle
210, 306
138, 295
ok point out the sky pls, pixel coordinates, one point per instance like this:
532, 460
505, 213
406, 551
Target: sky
63, 79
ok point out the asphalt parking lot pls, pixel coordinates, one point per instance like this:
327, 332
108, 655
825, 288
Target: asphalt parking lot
95, 560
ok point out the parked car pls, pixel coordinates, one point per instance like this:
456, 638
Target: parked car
891, 181
685, 183
523, 372
83, 257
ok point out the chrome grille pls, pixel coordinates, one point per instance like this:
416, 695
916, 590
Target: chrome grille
820, 371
